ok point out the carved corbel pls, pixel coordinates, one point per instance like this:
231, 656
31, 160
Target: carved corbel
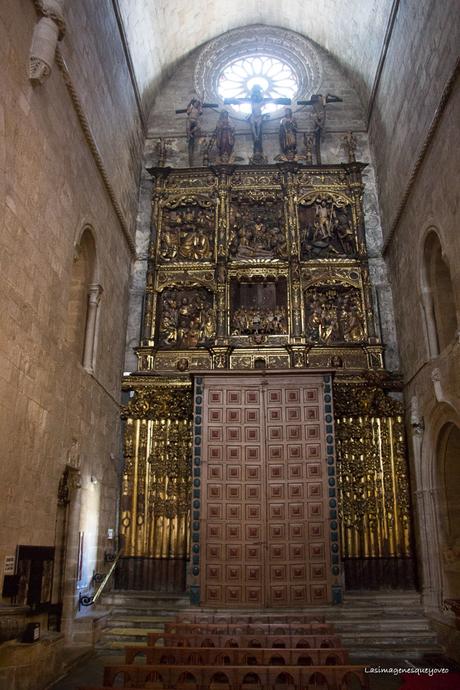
437, 384
49, 29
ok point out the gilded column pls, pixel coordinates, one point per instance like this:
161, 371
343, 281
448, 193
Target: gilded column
222, 307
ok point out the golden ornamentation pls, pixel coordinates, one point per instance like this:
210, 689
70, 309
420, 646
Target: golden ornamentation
334, 315
156, 486
237, 280
187, 229
326, 226
374, 498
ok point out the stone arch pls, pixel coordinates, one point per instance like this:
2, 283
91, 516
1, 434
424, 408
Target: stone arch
448, 467
430, 493
438, 297
84, 297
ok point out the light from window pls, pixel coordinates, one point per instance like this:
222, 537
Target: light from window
276, 78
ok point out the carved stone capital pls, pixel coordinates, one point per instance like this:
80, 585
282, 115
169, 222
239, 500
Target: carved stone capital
95, 293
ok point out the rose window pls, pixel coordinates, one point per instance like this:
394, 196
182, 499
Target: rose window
275, 77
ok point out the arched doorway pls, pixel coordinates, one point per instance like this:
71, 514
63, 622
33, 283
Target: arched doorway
448, 456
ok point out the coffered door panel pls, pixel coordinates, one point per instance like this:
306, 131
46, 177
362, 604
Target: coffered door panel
264, 498
296, 492
233, 523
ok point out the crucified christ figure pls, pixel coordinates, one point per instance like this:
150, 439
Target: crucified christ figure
257, 117
319, 102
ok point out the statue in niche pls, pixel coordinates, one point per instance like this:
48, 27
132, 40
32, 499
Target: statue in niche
256, 232
288, 135
187, 318
326, 228
187, 235
334, 315
257, 117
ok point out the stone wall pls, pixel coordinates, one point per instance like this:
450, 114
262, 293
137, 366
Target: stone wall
341, 118
421, 56
53, 412
432, 383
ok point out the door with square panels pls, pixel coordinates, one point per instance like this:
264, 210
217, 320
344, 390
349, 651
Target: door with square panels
264, 539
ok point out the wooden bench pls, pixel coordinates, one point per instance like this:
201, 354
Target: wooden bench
248, 628
209, 656
245, 641
186, 677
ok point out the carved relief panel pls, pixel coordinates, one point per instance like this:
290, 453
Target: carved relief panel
334, 315
326, 227
269, 257
187, 230
257, 227
186, 318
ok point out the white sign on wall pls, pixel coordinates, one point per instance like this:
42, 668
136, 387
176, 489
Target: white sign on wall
9, 565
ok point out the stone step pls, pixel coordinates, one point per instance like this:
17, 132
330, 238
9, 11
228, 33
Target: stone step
118, 619
372, 625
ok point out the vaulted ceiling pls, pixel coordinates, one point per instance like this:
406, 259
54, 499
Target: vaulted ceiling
161, 32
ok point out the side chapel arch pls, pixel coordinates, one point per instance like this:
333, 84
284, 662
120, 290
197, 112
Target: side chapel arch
438, 297
84, 299
448, 470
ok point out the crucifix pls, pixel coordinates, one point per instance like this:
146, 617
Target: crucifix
194, 111
257, 118
319, 102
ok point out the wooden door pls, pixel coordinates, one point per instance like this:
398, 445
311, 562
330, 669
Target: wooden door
263, 525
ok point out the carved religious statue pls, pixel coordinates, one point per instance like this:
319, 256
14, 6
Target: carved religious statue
288, 135
257, 117
319, 103
225, 138
349, 143
194, 111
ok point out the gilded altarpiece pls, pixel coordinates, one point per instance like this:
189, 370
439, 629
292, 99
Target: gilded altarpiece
256, 268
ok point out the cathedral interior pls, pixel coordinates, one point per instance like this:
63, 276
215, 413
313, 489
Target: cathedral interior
230, 343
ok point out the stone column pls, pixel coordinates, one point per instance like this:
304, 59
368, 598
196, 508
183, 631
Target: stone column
428, 308
94, 297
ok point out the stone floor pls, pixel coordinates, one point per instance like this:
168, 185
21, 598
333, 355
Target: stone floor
89, 672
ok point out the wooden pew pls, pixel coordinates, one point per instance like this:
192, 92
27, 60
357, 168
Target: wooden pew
245, 641
188, 677
209, 656
248, 619
248, 628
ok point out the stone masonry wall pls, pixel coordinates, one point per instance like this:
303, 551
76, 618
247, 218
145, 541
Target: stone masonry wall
52, 411
432, 385
420, 60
